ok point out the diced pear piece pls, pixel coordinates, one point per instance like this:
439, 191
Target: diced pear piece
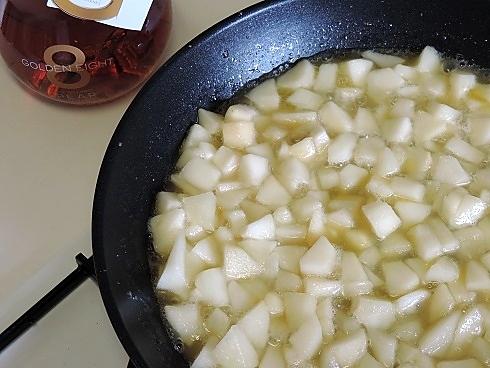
387, 163
367, 151
370, 257
341, 149
444, 112
354, 278
272, 193
265, 96
403, 108
320, 259
186, 320
480, 349
411, 357
235, 350
283, 216
273, 358
356, 70
165, 228
427, 128
201, 210
477, 277
201, 174
240, 134
303, 208
240, 112
345, 351
460, 293
358, 240
226, 160
210, 121
196, 135
274, 303
429, 60
302, 75
259, 250
206, 359
335, 119
218, 322
397, 130
408, 73
303, 150
448, 170
418, 162
253, 169
382, 60
364, 122
167, 201
287, 281
383, 346
464, 363
255, 324
289, 257
443, 270
449, 243
440, 303
479, 131
174, 277
411, 213
305, 99
399, 278
374, 312
368, 361
427, 245
440, 336
262, 229
469, 211
411, 302
352, 176
395, 245
320, 287
294, 175
470, 325
239, 265
382, 218
211, 285
379, 187
326, 79
464, 150
408, 189
461, 84
383, 82
305, 341
298, 308
325, 312
408, 330
291, 233
342, 218
240, 299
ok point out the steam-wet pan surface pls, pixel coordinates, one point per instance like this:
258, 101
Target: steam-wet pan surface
209, 70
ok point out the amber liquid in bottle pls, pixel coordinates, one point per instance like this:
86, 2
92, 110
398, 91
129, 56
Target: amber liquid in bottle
77, 61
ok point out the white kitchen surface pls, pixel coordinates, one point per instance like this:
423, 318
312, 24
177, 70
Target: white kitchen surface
49, 161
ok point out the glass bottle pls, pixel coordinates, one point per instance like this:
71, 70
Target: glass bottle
79, 61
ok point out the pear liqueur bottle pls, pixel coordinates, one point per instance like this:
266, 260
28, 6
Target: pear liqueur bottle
83, 52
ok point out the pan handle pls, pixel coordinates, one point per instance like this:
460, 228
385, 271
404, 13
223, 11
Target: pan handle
84, 270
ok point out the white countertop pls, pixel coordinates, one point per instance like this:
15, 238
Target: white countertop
49, 161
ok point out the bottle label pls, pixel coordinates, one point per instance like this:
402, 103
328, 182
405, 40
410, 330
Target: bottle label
127, 14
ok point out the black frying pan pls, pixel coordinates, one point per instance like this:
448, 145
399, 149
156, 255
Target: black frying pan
210, 69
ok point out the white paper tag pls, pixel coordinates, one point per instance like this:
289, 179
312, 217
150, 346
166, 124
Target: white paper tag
132, 15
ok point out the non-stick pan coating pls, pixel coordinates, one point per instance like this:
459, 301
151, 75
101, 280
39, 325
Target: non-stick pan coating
210, 69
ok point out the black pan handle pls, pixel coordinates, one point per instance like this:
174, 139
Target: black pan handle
84, 270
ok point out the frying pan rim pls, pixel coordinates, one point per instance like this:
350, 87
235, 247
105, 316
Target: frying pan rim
97, 222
